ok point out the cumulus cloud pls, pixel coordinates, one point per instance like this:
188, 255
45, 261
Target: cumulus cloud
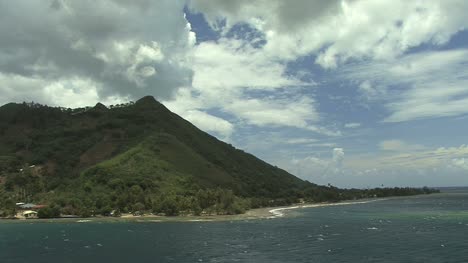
316, 168
209, 123
234, 63
433, 167
338, 156
226, 72
117, 48
460, 163
233, 76
340, 30
375, 36
294, 113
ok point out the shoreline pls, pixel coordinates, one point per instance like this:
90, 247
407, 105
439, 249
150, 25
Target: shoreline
277, 212
252, 214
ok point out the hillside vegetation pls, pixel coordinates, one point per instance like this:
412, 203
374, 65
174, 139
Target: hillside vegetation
138, 157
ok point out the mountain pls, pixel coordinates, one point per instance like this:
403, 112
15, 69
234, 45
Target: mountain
135, 157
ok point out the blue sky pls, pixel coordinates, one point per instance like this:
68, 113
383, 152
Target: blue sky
352, 93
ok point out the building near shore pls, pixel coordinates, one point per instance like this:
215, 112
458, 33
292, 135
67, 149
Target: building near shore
30, 214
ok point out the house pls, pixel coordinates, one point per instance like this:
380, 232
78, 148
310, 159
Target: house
30, 214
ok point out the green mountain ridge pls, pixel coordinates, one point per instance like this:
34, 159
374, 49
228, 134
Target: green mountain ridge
136, 157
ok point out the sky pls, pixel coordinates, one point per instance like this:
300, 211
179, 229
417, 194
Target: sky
353, 93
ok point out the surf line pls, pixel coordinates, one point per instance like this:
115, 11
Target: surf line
279, 212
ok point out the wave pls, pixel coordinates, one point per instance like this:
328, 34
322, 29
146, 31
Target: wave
279, 212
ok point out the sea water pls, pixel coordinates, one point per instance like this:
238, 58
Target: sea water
430, 228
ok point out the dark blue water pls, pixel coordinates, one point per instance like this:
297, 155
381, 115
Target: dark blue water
430, 228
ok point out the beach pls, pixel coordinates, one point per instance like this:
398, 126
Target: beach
252, 214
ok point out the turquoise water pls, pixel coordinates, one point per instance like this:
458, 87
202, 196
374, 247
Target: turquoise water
430, 228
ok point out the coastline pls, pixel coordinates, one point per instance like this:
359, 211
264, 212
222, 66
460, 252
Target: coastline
278, 212
252, 214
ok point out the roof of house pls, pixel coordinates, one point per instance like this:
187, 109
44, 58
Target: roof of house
27, 206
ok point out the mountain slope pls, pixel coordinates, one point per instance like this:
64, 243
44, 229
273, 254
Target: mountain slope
136, 156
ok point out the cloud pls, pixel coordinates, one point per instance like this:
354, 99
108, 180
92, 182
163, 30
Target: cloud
300, 140
338, 31
371, 92
69, 92
430, 101
234, 63
412, 157
225, 76
423, 85
338, 156
321, 145
233, 76
434, 167
368, 40
352, 125
315, 168
121, 49
400, 146
185, 105
295, 113
209, 123
460, 163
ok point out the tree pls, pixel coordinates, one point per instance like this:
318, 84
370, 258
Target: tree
138, 207
49, 212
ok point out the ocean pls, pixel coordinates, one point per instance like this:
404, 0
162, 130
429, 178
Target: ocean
431, 228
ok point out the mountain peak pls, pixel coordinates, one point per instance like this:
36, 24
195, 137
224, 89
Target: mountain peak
147, 100
100, 106
150, 103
